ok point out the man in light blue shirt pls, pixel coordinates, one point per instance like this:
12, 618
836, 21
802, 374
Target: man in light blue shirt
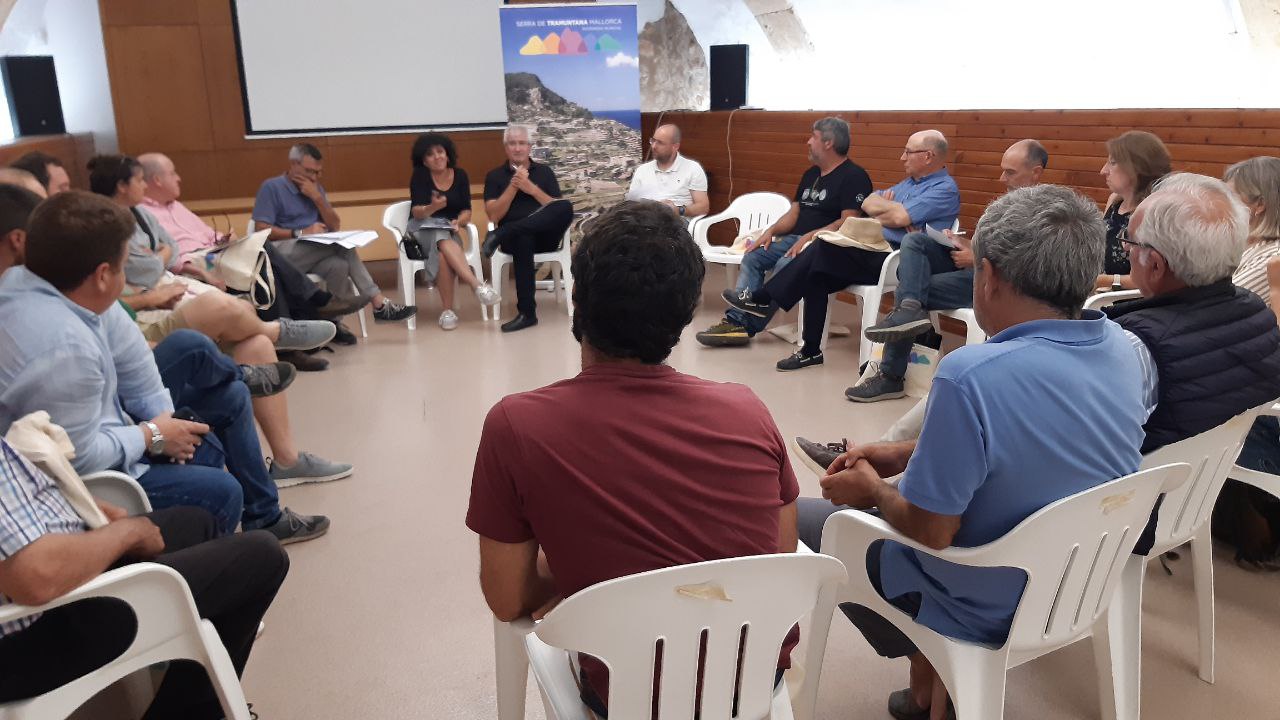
1051, 405
927, 196
67, 347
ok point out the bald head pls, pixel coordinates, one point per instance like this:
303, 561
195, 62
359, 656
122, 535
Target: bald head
665, 143
1022, 164
925, 154
164, 185
22, 179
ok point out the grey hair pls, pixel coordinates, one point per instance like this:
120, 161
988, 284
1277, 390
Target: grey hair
513, 129
301, 150
1035, 153
835, 131
1257, 180
1197, 224
1047, 241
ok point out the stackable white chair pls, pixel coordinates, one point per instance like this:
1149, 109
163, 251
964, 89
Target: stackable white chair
1073, 551
364, 329
169, 628
396, 220
1263, 481
118, 489
561, 272
1183, 517
1104, 299
752, 211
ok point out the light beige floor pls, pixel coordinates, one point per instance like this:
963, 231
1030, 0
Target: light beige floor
383, 618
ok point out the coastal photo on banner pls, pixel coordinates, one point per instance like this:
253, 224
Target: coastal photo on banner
573, 73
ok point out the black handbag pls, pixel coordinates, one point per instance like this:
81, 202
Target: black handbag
412, 249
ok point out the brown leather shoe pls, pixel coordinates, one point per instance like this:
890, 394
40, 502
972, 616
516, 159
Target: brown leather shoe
304, 362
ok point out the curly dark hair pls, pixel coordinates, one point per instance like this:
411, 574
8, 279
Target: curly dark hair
106, 172
637, 278
426, 141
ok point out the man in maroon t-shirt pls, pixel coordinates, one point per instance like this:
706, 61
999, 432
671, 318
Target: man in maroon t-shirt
630, 466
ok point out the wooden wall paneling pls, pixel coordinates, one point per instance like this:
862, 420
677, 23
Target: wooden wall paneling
239, 172
158, 88
197, 170
222, 82
213, 12
148, 12
73, 150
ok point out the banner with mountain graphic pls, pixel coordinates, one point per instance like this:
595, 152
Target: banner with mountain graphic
573, 73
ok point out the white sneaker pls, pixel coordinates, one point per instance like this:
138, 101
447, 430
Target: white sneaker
487, 295
448, 320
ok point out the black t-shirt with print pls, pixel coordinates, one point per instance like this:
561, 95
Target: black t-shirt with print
1116, 259
823, 198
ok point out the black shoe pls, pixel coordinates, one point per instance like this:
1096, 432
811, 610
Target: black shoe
304, 362
344, 336
519, 322
491, 242
798, 360
875, 389
901, 324
391, 312
269, 379
724, 334
903, 707
741, 299
818, 456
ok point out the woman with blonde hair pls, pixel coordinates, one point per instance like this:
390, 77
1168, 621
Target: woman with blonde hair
1135, 161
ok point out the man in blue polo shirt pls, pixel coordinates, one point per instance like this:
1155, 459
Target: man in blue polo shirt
927, 195
293, 205
1003, 435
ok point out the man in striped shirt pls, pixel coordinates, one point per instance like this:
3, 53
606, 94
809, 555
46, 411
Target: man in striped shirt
46, 550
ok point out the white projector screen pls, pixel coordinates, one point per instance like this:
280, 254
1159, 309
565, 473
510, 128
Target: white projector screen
333, 66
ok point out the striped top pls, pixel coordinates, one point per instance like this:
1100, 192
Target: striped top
31, 506
1252, 272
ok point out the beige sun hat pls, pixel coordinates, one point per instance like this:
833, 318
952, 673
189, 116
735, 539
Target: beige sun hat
863, 233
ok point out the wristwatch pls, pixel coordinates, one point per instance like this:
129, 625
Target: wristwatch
1115, 283
296, 233
680, 209
157, 439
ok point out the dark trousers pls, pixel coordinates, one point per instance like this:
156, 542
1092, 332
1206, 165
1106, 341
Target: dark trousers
885, 638
540, 232
295, 292
204, 380
817, 272
233, 580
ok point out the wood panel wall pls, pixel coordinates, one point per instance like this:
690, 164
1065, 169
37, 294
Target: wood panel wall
176, 89
747, 151
73, 150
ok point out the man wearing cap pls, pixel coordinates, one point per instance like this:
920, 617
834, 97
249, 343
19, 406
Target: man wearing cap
830, 191
927, 195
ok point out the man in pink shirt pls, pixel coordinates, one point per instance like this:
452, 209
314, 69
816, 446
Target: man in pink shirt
297, 296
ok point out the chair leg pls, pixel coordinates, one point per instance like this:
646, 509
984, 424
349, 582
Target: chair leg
870, 312
511, 668
407, 274
222, 674
497, 269
1202, 562
568, 288
557, 271
1117, 646
975, 683
364, 329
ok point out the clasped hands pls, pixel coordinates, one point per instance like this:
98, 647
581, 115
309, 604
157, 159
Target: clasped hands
856, 477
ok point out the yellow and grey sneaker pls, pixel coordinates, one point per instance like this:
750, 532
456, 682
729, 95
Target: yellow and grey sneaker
724, 334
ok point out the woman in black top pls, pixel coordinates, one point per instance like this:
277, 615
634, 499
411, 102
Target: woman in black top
440, 191
1135, 161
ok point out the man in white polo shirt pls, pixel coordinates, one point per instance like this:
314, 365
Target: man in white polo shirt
671, 178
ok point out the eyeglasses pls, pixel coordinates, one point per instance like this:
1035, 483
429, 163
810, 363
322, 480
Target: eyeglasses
1138, 243
909, 151
656, 141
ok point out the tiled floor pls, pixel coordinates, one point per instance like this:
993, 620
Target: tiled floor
383, 618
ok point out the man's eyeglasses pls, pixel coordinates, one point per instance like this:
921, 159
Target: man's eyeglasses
909, 151
656, 141
1138, 243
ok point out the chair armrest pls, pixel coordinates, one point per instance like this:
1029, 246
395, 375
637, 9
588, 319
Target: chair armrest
119, 489
556, 679
1105, 299
108, 584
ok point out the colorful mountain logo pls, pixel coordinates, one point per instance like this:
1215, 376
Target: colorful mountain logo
569, 42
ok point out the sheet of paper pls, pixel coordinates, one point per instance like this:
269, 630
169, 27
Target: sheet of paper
349, 239
939, 237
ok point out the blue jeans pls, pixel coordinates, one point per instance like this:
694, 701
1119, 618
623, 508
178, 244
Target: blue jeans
1261, 449
209, 383
925, 274
755, 265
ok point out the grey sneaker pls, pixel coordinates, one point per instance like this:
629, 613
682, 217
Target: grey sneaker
818, 457
391, 312
900, 324
309, 469
292, 527
269, 379
448, 320
487, 295
875, 389
798, 361
304, 334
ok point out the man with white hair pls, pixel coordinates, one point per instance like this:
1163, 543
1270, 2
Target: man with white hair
671, 178
522, 199
293, 205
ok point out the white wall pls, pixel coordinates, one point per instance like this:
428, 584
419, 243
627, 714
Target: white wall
993, 54
70, 31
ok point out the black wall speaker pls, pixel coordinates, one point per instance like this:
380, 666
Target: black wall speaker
728, 76
32, 87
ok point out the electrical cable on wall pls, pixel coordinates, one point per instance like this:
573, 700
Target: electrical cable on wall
728, 130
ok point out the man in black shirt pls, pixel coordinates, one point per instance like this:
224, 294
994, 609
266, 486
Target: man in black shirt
830, 191
521, 198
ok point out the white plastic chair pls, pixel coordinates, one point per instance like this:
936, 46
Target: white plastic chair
319, 281
1263, 481
168, 629
973, 334
1183, 517
396, 219
561, 272
752, 211
118, 489
1103, 299
1072, 551
619, 621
